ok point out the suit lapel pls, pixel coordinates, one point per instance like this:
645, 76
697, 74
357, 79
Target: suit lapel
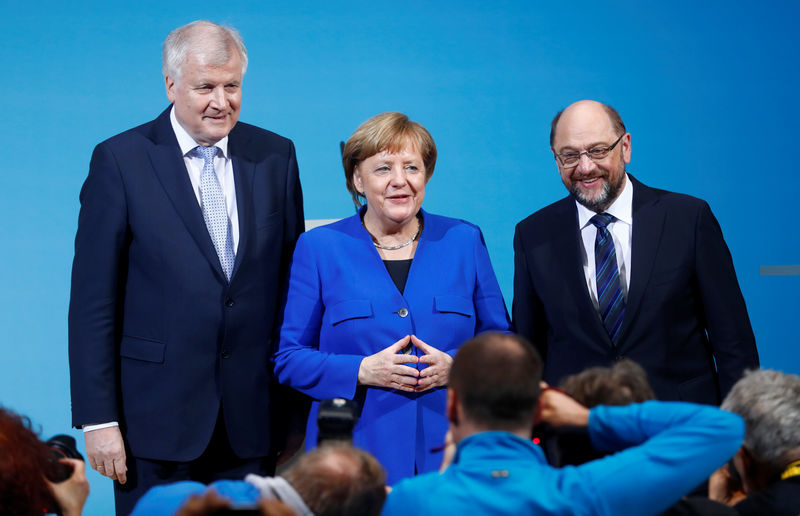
243, 176
568, 241
648, 221
167, 162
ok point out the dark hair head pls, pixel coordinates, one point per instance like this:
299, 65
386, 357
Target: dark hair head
495, 377
391, 132
622, 384
613, 117
337, 479
25, 461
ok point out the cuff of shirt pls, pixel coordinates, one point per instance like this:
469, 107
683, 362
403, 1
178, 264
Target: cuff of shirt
89, 428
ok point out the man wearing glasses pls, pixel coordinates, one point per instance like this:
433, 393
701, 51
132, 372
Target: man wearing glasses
620, 270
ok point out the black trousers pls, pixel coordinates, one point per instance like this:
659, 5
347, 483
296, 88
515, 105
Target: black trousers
217, 462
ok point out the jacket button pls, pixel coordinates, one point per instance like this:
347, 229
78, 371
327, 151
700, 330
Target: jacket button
226, 353
229, 302
403, 312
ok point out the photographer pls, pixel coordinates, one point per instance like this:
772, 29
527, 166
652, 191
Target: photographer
32, 479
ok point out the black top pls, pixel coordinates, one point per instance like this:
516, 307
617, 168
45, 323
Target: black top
781, 498
398, 270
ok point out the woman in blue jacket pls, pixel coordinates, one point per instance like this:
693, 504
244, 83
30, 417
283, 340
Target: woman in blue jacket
379, 302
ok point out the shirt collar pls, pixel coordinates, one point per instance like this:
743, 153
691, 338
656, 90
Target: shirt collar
186, 142
621, 208
497, 446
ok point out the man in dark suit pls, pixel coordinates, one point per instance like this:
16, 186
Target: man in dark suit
186, 228
620, 270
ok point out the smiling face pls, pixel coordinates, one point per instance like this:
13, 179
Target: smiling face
394, 185
207, 98
595, 184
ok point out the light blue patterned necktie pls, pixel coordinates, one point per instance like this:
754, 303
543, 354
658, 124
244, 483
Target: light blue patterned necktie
609, 291
212, 201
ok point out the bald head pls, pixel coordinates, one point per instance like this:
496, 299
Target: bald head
338, 479
589, 111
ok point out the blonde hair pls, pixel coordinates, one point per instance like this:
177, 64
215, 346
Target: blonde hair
391, 132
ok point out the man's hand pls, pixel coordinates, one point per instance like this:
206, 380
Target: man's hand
71, 494
385, 368
106, 452
558, 409
724, 488
438, 371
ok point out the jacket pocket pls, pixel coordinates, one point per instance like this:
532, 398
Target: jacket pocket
454, 305
142, 349
351, 309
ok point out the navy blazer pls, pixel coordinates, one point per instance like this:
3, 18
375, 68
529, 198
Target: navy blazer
158, 338
343, 306
684, 310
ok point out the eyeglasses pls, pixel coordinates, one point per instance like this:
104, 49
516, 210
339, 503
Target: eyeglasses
570, 159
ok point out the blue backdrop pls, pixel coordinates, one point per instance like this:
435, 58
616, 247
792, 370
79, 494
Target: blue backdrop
708, 91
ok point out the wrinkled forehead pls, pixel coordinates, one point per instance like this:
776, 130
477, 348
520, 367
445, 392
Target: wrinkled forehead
212, 57
581, 126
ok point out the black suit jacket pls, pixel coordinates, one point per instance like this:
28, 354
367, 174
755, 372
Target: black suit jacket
684, 310
158, 338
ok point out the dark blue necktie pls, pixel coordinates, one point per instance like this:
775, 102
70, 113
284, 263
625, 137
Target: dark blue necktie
609, 292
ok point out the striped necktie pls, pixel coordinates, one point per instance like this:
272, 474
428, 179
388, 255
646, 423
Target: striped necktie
212, 202
609, 292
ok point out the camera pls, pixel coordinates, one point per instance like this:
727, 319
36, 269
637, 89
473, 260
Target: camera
336, 419
62, 446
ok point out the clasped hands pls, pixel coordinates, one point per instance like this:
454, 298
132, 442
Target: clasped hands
387, 368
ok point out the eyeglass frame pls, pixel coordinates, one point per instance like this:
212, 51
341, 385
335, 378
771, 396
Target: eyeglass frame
606, 151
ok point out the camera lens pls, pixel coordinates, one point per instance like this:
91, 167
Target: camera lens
62, 446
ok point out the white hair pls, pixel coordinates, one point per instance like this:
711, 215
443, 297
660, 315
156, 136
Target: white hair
769, 403
210, 39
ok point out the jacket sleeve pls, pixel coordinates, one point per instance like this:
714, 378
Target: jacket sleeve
671, 448
98, 276
299, 363
528, 314
490, 308
727, 322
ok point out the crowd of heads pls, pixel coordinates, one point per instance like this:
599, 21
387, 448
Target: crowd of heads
496, 380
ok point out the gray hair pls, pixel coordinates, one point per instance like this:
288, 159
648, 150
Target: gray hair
214, 41
769, 403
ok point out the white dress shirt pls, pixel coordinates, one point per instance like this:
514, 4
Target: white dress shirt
621, 232
223, 167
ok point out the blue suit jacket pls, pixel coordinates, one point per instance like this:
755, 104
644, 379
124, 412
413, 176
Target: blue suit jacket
158, 338
343, 306
685, 319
